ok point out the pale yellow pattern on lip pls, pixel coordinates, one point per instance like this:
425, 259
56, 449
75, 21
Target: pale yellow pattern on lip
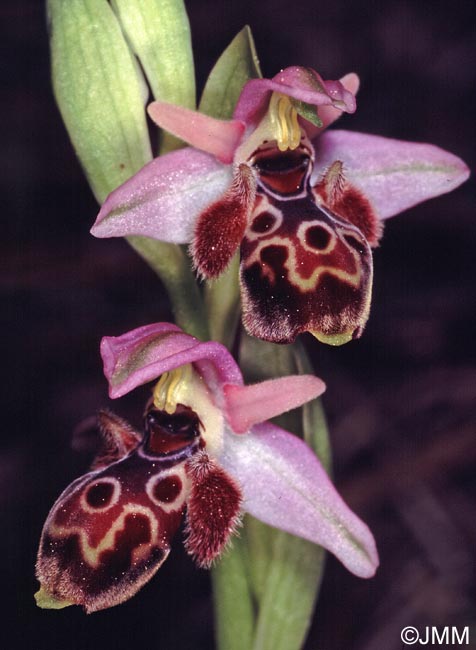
291, 265
91, 554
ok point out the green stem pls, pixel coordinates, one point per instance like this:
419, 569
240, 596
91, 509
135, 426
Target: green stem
233, 606
173, 267
222, 302
314, 421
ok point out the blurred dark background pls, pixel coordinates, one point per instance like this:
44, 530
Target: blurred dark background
400, 401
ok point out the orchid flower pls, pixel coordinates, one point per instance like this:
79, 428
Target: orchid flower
206, 449
304, 207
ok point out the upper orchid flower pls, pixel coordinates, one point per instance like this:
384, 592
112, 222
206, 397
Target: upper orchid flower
304, 210
207, 450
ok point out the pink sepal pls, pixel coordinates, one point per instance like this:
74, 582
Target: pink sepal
300, 83
393, 174
329, 114
285, 485
143, 354
164, 198
217, 137
248, 405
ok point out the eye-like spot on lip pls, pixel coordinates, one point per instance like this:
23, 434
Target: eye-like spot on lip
318, 237
263, 222
274, 256
167, 489
101, 495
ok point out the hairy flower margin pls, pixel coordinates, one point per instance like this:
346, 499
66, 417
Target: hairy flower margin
304, 206
270, 473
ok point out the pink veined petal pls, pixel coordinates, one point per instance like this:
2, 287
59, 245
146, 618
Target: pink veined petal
300, 83
248, 405
284, 485
143, 354
393, 174
217, 137
164, 198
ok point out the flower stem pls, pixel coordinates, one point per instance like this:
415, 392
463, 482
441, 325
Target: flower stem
173, 267
233, 606
222, 302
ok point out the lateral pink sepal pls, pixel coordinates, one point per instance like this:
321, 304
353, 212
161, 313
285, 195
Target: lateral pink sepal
393, 174
143, 354
217, 137
248, 405
285, 486
164, 198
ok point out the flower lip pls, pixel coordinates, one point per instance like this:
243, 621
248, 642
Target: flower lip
302, 84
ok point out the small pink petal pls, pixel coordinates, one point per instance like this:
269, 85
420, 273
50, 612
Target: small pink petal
393, 174
143, 354
164, 198
248, 405
300, 83
284, 485
217, 137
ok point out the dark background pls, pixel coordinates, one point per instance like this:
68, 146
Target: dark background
401, 401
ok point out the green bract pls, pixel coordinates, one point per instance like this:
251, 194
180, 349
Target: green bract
99, 90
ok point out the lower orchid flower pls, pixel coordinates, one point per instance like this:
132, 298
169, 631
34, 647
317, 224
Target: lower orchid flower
206, 453
304, 208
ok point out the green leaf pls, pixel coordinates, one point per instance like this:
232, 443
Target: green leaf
238, 64
99, 91
289, 592
259, 540
159, 34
